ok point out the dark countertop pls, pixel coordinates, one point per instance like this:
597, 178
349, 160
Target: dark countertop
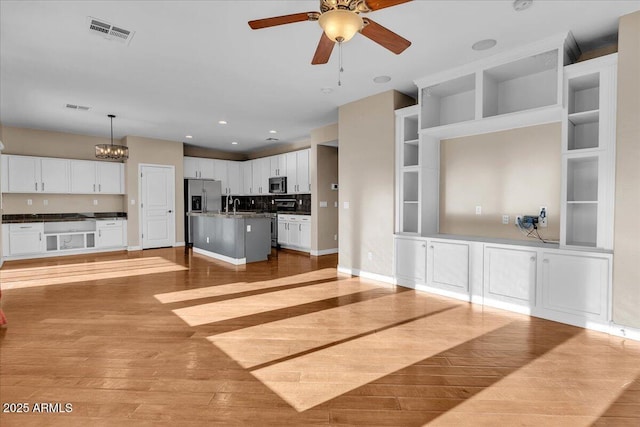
63, 217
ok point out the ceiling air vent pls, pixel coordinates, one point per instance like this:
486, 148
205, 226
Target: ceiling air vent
272, 139
108, 31
78, 107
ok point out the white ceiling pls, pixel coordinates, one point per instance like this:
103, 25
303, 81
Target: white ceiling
192, 63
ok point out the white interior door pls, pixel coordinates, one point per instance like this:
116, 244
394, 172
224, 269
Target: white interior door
157, 185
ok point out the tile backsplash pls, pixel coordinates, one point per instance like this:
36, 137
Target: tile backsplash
267, 203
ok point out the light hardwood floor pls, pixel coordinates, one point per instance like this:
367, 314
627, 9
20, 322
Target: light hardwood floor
163, 338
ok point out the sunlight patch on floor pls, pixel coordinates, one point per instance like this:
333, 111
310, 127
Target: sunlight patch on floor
315, 378
255, 304
287, 337
86, 271
235, 288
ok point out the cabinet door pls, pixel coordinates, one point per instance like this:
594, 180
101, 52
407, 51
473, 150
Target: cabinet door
410, 260
576, 284
260, 168
278, 165
110, 178
448, 266
54, 175
247, 177
207, 168
24, 174
302, 172
191, 167
26, 239
283, 232
83, 177
305, 235
510, 276
294, 233
110, 234
292, 171
256, 176
220, 174
234, 178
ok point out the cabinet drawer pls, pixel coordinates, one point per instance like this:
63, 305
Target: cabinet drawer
108, 224
32, 226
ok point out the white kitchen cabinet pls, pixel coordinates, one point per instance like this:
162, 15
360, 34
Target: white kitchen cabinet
448, 266
110, 233
509, 277
198, 168
576, 285
37, 175
247, 177
411, 261
278, 165
297, 163
294, 231
220, 173
93, 177
234, 178
260, 175
24, 239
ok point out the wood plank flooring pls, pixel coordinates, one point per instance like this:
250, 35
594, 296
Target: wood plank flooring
161, 337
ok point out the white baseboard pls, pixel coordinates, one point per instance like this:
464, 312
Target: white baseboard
324, 252
443, 292
62, 253
624, 331
178, 244
234, 261
134, 248
366, 275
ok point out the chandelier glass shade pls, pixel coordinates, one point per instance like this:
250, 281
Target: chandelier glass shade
112, 151
340, 25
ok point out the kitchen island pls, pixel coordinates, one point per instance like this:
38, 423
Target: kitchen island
237, 238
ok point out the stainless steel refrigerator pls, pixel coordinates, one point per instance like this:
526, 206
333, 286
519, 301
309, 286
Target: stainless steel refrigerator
200, 195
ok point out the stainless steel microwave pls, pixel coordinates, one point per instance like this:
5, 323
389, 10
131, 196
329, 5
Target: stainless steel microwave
278, 185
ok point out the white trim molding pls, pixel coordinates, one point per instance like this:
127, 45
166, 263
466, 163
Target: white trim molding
134, 248
366, 275
178, 244
234, 261
324, 252
624, 332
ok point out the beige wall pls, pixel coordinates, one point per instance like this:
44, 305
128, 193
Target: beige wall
366, 168
153, 152
193, 151
33, 142
323, 162
626, 265
512, 172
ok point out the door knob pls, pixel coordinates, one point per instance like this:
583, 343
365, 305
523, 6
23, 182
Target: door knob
169, 211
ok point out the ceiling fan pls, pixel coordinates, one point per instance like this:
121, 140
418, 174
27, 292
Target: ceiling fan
340, 21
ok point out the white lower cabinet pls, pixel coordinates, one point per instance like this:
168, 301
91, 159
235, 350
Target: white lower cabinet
294, 231
576, 285
509, 277
110, 234
448, 266
411, 261
564, 285
24, 239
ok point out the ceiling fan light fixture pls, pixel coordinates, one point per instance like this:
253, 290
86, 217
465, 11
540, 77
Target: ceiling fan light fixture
340, 25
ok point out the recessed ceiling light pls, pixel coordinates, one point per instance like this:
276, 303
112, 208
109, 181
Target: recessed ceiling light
273, 131
234, 143
520, 5
382, 79
222, 122
326, 90
188, 136
484, 44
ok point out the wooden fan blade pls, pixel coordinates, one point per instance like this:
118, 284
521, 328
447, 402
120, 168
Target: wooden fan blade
281, 20
381, 4
323, 52
384, 37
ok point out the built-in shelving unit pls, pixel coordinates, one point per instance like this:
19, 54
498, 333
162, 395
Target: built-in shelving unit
587, 194
408, 175
451, 101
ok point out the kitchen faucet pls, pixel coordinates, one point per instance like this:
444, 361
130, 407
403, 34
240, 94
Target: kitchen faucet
234, 205
226, 205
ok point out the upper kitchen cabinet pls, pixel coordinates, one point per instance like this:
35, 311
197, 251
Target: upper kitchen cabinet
199, 168
261, 168
26, 174
89, 177
247, 177
298, 172
278, 165
234, 178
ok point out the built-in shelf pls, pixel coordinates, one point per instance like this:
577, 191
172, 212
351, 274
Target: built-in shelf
581, 202
452, 101
410, 201
584, 117
583, 93
582, 179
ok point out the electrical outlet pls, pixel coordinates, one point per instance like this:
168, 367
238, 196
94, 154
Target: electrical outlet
335, 237
323, 204
253, 202
478, 210
505, 219
518, 220
133, 201
248, 228
542, 217
345, 205
95, 202
370, 256
45, 202
335, 204
207, 240
29, 202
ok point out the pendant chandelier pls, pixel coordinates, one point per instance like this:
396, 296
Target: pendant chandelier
111, 151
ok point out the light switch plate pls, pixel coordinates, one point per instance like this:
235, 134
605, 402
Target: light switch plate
505, 219
248, 228
345, 205
478, 210
323, 204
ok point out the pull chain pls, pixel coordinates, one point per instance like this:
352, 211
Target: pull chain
341, 69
